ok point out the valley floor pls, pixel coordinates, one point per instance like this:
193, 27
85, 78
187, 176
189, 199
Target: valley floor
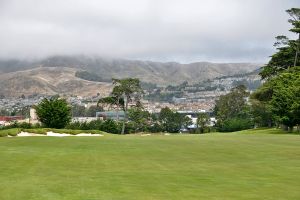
256, 164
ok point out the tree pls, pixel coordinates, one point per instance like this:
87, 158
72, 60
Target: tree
112, 102
282, 94
140, 118
171, 121
91, 111
232, 108
262, 113
295, 21
202, 121
78, 111
54, 112
288, 50
4, 112
125, 91
232, 104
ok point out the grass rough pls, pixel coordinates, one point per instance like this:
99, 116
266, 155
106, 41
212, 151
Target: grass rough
242, 165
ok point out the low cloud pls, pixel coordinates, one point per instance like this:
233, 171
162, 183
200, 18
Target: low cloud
161, 30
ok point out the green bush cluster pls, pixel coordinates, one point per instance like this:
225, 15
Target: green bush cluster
112, 126
236, 124
22, 125
108, 125
9, 132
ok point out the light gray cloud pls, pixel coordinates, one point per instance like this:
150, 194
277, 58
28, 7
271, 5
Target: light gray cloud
164, 30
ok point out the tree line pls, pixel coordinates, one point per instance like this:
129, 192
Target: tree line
277, 101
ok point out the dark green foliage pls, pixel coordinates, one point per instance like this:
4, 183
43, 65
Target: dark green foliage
91, 111
281, 60
202, 122
4, 112
78, 111
111, 126
95, 125
236, 124
81, 111
171, 121
25, 125
125, 91
287, 50
262, 114
74, 126
21, 125
232, 105
108, 125
140, 119
282, 95
92, 125
90, 76
112, 101
54, 112
155, 128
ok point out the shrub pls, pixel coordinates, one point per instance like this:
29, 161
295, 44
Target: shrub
11, 132
155, 128
24, 125
95, 124
111, 126
54, 112
3, 133
74, 126
42, 131
92, 125
236, 124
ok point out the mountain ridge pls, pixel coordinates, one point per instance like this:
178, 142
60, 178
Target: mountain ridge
57, 75
162, 73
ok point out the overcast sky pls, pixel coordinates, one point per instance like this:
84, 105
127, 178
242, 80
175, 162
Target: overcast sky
160, 30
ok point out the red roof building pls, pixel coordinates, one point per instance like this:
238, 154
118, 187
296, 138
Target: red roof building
10, 118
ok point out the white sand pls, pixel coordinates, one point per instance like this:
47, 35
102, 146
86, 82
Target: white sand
146, 134
65, 134
88, 134
50, 133
25, 134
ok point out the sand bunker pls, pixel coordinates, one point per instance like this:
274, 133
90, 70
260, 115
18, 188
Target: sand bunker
25, 134
50, 133
148, 134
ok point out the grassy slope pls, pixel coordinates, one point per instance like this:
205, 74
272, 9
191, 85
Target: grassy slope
211, 166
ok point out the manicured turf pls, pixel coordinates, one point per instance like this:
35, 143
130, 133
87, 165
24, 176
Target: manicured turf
212, 166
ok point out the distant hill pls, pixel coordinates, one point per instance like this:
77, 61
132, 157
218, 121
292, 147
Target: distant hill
49, 81
148, 71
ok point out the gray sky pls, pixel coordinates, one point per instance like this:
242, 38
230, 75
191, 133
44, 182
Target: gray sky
159, 30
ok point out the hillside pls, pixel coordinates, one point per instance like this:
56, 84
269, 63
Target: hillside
154, 72
49, 81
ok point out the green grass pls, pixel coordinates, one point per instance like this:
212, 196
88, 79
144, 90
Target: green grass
43, 131
10, 132
214, 166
